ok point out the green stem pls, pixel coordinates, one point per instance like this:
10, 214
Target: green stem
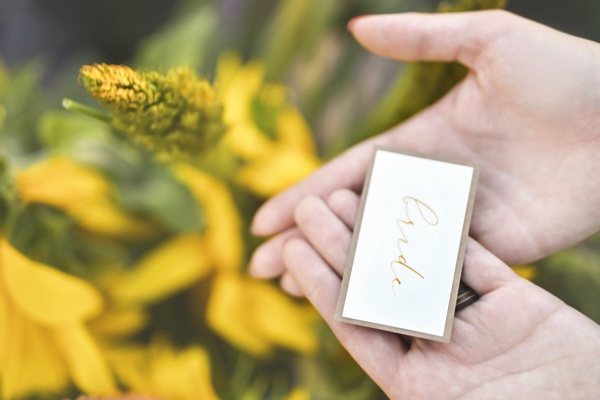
72, 105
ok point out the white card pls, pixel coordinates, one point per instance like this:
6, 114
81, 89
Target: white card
405, 262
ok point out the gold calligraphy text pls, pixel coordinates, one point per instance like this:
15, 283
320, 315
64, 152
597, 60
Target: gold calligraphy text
425, 214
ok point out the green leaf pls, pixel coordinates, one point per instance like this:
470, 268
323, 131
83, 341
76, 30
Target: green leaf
470, 5
144, 186
154, 190
61, 130
182, 42
264, 116
50, 236
573, 276
298, 27
22, 101
7, 192
419, 85
2, 118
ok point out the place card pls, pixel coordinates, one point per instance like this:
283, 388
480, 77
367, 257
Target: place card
405, 261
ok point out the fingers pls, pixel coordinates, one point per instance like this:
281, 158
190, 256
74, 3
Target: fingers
289, 284
327, 226
344, 204
376, 351
483, 271
432, 37
267, 261
324, 230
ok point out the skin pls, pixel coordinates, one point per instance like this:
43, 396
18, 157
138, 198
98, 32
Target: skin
527, 114
517, 341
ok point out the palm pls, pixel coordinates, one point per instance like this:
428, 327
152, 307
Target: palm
534, 148
497, 344
487, 355
526, 113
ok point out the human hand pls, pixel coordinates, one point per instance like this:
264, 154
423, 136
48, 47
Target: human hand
527, 113
517, 341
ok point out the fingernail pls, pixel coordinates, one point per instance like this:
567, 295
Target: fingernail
260, 225
255, 227
352, 22
258, 265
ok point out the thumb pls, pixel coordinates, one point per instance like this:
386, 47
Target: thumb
432, 37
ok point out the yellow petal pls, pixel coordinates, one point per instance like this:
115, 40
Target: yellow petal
61, 183
33, 362
83, 193
86, 364
254, 316
45, 294
101, 216
182, 376
526, 271
226, 315
131, 367
119, 323
4, 326
298, 394
294, 131
248, 142
270, 175
167, 269
243, 86
223, 237
228, 64
161, 371
274, 94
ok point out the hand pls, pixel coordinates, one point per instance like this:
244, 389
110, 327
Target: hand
527, 113
517, 341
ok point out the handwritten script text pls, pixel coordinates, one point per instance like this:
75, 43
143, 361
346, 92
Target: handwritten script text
426, 215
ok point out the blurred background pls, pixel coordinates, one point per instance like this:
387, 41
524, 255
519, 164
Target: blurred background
90, 213
65, 34
58, 29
